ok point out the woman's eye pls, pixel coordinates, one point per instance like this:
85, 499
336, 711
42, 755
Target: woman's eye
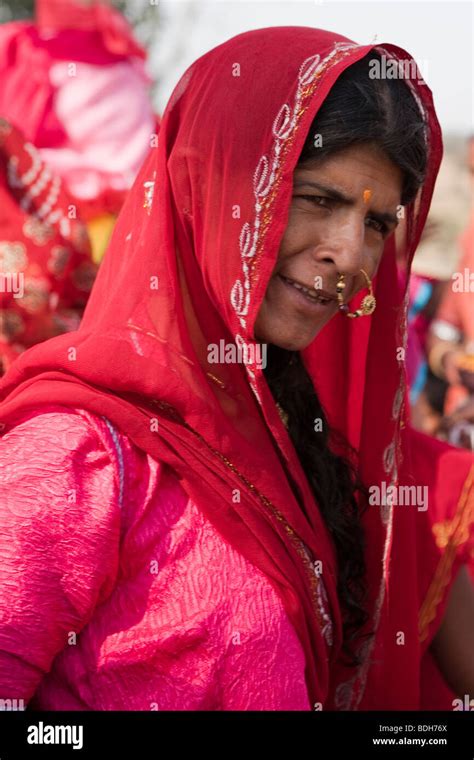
317, 200
377, 226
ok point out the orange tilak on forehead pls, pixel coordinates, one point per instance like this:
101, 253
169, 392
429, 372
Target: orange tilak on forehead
367, 195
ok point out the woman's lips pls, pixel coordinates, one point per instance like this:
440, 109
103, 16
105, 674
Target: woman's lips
306, 295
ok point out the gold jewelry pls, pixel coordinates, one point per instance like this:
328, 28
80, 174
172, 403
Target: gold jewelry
368, 302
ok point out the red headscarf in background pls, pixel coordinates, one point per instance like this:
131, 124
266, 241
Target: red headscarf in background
46, 272
100, 17
189, 267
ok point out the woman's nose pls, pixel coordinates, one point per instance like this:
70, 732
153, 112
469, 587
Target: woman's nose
344, 247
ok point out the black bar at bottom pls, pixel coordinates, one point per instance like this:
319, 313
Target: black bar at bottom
140, 735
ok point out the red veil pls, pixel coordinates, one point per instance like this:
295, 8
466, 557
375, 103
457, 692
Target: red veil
188, 265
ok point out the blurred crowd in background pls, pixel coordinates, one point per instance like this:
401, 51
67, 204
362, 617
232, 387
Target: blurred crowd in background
76, 121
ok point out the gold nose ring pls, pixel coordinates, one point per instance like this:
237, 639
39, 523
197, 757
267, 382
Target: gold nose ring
368, 304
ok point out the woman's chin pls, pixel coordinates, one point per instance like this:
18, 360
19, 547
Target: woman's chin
290, 340
289, 329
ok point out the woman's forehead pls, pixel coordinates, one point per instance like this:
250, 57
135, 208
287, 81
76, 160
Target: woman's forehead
353, 170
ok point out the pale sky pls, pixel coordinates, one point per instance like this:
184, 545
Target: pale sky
438, 34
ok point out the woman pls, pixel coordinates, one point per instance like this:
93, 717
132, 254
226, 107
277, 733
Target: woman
209, 557
451, 340
80, 138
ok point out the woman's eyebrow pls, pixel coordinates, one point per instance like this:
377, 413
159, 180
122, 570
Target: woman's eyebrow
331, 191
337, 195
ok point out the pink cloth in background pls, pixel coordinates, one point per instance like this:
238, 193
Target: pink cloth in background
86, 109
107, 116
117, 593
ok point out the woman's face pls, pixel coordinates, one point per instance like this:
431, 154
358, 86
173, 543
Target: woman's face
343, 209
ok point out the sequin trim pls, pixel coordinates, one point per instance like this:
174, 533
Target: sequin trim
267, 178
349, 694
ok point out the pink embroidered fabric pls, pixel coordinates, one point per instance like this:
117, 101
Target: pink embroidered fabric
117, 594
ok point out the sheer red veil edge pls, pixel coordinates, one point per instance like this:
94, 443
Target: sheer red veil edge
188, 265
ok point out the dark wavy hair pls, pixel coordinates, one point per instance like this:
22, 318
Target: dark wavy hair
358, 110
